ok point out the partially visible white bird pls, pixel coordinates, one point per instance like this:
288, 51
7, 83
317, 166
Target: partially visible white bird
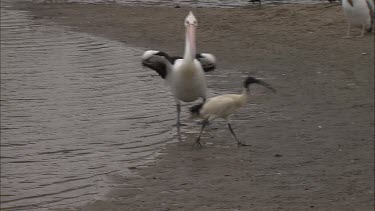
330, 1
359, 13
253, 1
223, 106
185, 75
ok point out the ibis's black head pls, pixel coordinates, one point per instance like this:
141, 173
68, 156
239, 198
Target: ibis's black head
251, 80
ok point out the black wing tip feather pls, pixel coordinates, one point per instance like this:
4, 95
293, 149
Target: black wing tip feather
209, 68
207, 65
154, 62
196, 109
158, 67
369, 29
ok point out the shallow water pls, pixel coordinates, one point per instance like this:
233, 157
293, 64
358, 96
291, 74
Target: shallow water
75, 109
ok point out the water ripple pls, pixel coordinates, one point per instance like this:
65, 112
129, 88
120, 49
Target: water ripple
75, 109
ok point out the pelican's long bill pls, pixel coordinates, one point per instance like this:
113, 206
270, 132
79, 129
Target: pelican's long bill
191, 25
191, 30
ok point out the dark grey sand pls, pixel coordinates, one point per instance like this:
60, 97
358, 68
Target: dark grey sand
312, 142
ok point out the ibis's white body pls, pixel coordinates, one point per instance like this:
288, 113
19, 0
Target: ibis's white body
223, 106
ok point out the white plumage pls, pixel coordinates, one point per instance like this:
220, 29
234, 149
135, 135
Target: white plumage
188, 81
185, 75
223, 106
359, 13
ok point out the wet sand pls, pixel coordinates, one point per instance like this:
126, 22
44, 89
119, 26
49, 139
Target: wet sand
312, 142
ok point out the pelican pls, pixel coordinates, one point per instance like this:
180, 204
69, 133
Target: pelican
185, 75
223, 106
359, 13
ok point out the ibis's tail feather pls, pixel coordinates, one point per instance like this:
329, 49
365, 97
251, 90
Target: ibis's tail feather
196, 109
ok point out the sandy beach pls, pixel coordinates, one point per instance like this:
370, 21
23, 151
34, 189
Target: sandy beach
312, 142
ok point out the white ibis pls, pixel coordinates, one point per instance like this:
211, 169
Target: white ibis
223, 106
359, 13
184, 75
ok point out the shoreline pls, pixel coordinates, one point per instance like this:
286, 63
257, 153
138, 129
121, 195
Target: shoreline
312, 143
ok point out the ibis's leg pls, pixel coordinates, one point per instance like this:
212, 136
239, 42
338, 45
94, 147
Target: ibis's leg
238, 141
200, 133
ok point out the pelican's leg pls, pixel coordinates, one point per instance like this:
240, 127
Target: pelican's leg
362, 31
178, 116
238, 141
348, 31
200, 133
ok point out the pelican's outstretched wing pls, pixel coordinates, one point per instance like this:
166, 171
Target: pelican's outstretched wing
159, 61
162, 63
208, 61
